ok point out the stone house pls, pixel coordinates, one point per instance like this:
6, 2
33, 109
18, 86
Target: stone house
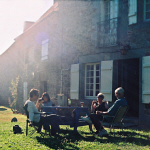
9, 70
80, 48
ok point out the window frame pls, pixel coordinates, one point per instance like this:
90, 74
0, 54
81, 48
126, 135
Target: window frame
145, 11
94, 80
111, 12
107, 27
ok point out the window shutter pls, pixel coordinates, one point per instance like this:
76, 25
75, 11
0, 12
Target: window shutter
146, 79
25, 84
132, 11
74, 87
106, 79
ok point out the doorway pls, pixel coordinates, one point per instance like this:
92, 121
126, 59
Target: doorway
126, 75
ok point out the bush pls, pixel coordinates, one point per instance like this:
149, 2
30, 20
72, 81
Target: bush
14, 93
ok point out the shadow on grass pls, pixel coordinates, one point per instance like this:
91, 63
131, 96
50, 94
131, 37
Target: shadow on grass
3, 109
66, 140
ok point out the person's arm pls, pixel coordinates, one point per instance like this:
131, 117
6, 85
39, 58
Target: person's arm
106, 105
111, 111
32, 110
104, 113
93, 105
38, 104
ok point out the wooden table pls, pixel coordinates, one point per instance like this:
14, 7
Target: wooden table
73, 123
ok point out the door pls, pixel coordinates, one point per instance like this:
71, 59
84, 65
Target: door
128, 79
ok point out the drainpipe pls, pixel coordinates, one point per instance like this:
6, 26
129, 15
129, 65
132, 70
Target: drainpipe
61, 79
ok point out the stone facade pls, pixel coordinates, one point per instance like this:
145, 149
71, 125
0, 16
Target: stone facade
72, 28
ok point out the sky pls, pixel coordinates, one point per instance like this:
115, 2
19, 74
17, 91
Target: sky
13, 14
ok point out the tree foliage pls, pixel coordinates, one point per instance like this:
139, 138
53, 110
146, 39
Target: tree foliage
14, 94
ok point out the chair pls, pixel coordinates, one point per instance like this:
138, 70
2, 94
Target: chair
35, 124
118, 118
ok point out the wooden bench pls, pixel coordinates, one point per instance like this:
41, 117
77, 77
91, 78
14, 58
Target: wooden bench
76, 122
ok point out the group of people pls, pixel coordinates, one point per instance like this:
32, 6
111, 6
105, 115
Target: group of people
99, 109
36, 116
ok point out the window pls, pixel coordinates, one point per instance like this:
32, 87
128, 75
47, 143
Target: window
147, 9
132, 15
92, 80
107, 27
44, 49
108, 9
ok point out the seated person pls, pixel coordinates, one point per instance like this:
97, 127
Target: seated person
119, 93
36, 116
44, 101
98, 105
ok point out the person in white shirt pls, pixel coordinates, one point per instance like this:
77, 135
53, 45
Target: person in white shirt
36, 116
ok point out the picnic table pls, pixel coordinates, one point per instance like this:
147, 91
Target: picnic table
73, 123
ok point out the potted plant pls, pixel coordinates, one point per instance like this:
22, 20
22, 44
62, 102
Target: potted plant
124, 48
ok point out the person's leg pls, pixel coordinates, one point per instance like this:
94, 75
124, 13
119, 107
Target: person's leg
96, 121
54, 124
50, 120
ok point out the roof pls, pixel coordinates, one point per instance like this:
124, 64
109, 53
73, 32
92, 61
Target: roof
53, 8
49, 11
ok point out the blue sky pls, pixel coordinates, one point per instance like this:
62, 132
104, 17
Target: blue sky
13, 14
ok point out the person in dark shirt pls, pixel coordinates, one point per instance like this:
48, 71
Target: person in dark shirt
98, 105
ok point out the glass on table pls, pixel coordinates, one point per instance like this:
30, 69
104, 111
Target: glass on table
82, 103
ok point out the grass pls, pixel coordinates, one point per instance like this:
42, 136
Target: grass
128, 139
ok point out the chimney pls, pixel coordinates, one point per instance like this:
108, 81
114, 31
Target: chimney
27, 25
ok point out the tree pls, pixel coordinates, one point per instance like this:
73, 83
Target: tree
14, 93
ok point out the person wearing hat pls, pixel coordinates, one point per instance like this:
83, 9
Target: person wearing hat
94, 118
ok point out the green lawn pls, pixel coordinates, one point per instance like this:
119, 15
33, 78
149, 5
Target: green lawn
128, 139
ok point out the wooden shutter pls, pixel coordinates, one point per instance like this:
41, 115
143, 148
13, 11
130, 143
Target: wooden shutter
106, 79
74, 84
25, 84
146, 79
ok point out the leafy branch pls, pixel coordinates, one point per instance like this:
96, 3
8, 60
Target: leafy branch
14, 93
